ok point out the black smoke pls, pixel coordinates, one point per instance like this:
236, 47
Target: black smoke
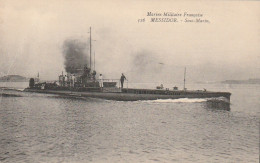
75, 53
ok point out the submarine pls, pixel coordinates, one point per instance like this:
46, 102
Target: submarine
86, 85
82, 82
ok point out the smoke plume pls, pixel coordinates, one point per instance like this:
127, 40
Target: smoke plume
75, 53
146, 66
146, 62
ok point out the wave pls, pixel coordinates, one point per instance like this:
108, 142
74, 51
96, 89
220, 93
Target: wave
180, 100
9, 95
12, 88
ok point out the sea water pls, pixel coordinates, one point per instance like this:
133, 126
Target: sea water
49, 128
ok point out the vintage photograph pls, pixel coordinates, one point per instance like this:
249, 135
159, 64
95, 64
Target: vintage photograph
129, 81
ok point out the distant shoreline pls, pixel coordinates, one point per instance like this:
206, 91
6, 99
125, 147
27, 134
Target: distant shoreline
13, 78
249, 81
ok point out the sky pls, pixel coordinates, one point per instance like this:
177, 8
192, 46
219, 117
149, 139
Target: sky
32, 35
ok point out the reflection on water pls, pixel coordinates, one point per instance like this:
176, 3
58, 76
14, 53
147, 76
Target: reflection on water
50, 128
218, 104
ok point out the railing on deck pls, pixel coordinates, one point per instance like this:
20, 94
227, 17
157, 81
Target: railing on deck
118, 82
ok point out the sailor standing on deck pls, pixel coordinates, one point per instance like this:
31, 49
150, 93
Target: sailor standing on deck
122, 79
66, 80
73, 80
100, 81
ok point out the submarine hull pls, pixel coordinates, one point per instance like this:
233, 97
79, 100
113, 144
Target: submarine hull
135, 94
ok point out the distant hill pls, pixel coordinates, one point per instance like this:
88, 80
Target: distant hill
13, 78
249, 81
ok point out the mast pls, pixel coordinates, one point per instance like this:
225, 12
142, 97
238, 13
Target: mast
184, 79
90, 48
94, 60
